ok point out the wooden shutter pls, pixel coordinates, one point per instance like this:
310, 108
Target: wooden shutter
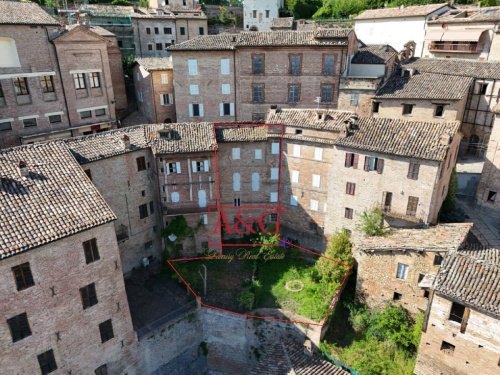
178, 166
190, 110
355, 161
193, 166
231, 109
206, 165
201, 111
380, 166
367, 161
465, 319
347, 158
221, 109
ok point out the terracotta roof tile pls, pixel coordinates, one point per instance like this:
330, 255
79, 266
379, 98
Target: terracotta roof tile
374, 54
154, 63
282, 23
456, 67
471, 15
250, 133
410, 11
307, 118
17, 13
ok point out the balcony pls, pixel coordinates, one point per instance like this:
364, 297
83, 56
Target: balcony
457, 47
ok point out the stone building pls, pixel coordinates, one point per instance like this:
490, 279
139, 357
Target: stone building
285, 68
370, 67
461, 327
154, 85
422, 95
258, 14
469, 33
393, 268
64, 305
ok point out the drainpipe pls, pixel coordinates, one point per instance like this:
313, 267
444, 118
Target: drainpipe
154, 96
234, 82
139, 36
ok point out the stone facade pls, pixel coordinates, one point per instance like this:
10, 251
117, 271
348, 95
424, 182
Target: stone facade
356, 93
153, 35
474, 350
54, 308
258, 14
190, 25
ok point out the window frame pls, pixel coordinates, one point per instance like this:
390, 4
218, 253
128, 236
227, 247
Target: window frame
293, 68
22, 272
412, 202
402, 270
19, 327
376, 107
326, 70
95, 80
324, 86
47, 84
350, 188
88, 295
91, 251
407, 109
294, 93
141, 163
106, 331
21, 86
79, 81
261, 87
50, 118
143, 211
261, 69
413, 170
348, 213
27, 120
47, 362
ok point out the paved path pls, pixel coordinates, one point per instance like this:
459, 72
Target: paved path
486, 226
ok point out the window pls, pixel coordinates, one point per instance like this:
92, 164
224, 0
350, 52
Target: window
164, 79
141, 163
95, 79
225, 89
275, 173
167, 30
439, 110
351, 160
482, 88
326, 93
402, 271
1, 92
258, 64
194, 90
101, 370
151, 207
298, 131
100, 112
293, 93
90, 251
159, 46
447, 348
258, 93
106, 330
348, 213
275, 148
193, 67
318, 153
200, 166
397, 296
255, 181
89, 296
54, 119
196, 110
492, 196
295, 177
426, 294
236, 182
350, 188
85, 114
183, 30
150, 47
411, 209
148, 30
374, 164
354, 98
273, 197
457, 312
413, 170
201, 31
328, 65
174, 167
225, 109
236, 154
204, 219
19, 327
293, 200
143, 211
224, 66
47, 362
5, 125
267, 13
47, 84
157, 31
21, 86
237, 202
258, 154
166, 99
438, 259
29, 122
295, 64
296, 151
79, 79
386, 201
316, 180
408, 109
254, 14
375, 107
314, 205
22, 276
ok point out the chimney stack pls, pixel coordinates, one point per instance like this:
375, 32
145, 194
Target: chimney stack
126, 141
23, 168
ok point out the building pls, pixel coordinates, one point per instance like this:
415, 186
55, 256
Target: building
393, 268
370, 67
66, 89
174, 5
426, 96
402, 167
469, 33
53, 318
397, 26
245, 73
258, 14
154, 85
282, 24
461, 326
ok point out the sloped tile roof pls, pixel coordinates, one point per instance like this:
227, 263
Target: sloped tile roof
397, 12
472, 278
187, 137
414, 139
426, 86
374, 54
155, 63
17, 13
282, 23
219, 42
443, 237
56, 199
471, 15
250, 133
101, 10
307, 118
456, 67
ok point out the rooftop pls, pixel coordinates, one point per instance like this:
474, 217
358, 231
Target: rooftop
471, 15
400, 12
472, 277
17, 13
374, 54
443, 237
282, 23
456, 67
308, 118
426, 140
251, 133
284, 38
154, 63
426, 86
53, 200
101, 10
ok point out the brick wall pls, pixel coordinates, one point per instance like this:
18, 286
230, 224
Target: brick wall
164, 113
191, 27
144, 92
56, 317
143, 41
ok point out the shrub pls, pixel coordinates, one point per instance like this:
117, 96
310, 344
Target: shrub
121, 2
372, 222
339, 248
247, 299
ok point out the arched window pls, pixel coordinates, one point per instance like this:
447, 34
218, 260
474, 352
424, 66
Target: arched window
236, 182
255, 181
8, 53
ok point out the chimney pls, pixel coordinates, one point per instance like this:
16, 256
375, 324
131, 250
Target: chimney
445, 140
126, 141
320, 115
308, 350
23, 168
274, 109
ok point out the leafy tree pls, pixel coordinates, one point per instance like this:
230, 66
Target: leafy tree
393, 324
143, 3
127, 62
339, 248
372, 222
302, 8
121, 2
271, 241
340, 8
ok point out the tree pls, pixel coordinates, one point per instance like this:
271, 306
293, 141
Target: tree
143, 3
372, 222
302, 9
339, 248
121, 2
340, 8
271, 241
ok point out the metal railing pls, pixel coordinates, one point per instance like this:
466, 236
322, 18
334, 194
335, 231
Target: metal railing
472, 47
